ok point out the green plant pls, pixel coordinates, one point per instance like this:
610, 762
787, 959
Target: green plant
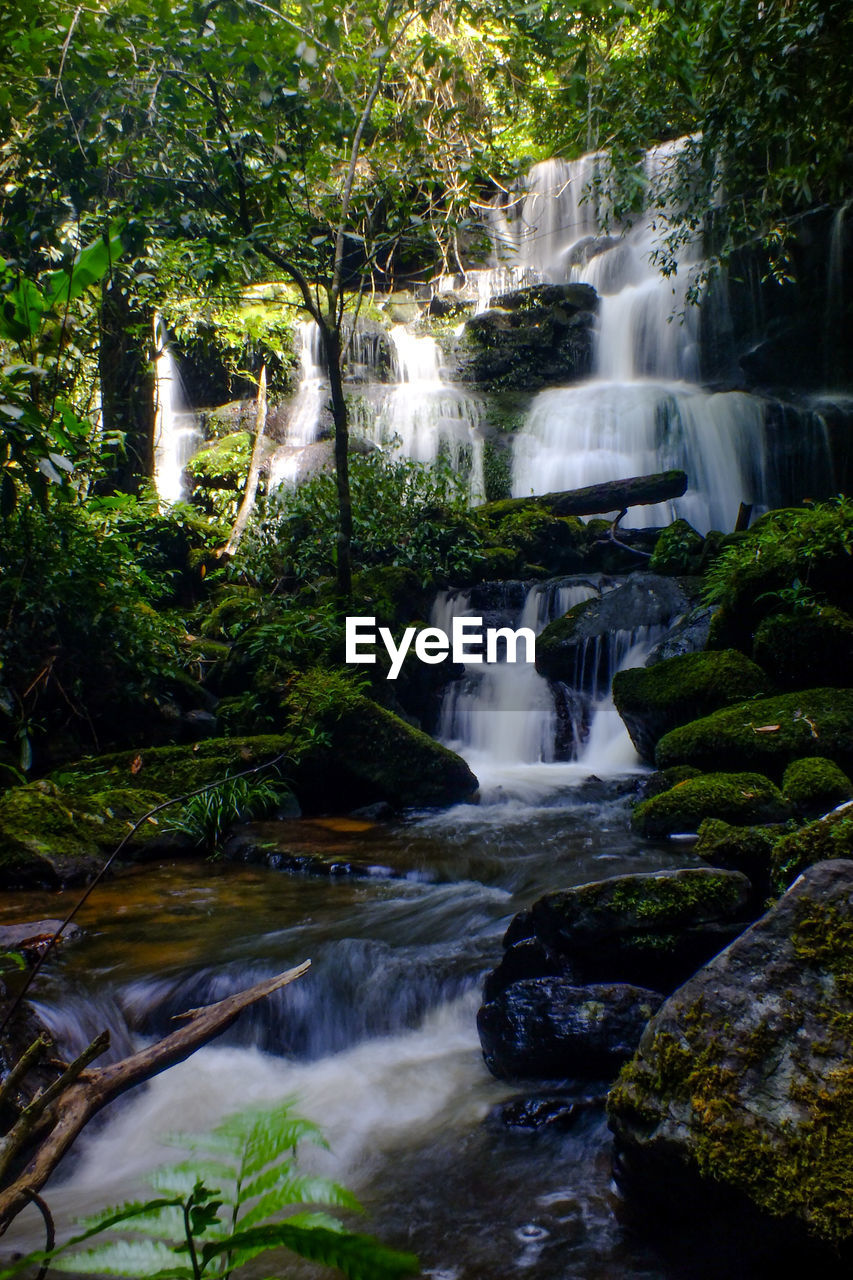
223, 1207
206, 817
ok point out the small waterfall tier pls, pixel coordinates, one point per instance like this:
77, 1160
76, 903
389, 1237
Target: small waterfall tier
176, 433
303, 426
507, 720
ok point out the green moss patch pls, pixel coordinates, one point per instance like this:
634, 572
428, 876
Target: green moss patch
746, 849
654, 700
742, 799
826, 838
799, 648
767, 734
814, 785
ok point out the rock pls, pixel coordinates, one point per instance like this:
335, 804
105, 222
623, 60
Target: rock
401, 308
815, 785
798, 649
653, 700
644, 600
442, 305
767, 734
527, 958
198, 724
527, 340
553, 1112
829, 837
746, 849
32, 937
690, 635
744, 1078
741, 799
548, 1029
654, 784
535, 536
652, 929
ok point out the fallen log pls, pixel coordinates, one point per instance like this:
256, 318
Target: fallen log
68, 1105
597, 499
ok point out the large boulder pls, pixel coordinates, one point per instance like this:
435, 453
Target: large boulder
829, 837
653, 700
652, 929
743, 1081
529, 339
741, 799
548, 1029
644, 600
767, 734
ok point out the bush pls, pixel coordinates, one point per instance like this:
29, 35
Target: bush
404, 514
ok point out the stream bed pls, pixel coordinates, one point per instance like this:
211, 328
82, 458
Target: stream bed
378, 1043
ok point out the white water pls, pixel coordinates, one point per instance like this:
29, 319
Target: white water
176, 434
303, 426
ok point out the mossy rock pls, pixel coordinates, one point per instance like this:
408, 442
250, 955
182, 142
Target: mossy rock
796, 649
827, 838
678, 550
815, 785
535, 535
50, 837
734, 848
742, 799
654, 929
653, 700
654, 784
767, 734
743, 1080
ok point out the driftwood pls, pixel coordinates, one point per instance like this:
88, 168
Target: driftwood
62, 1110
597, 499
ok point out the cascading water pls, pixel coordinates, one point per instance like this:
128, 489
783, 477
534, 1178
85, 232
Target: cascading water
176, 433
303, 426
422, 417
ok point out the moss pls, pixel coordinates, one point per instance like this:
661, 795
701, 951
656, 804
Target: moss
740, 798
829, 837
678, 550
664, 901
656, 783
746, 849
653, 700
767, 734
806, 645
814, 785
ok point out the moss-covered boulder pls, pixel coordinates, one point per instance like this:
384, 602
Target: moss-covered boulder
746, 849
797, 649
815, 785
651, 929
743, 1081
742, 799
826, 838
51, 837
653, 700
766, 734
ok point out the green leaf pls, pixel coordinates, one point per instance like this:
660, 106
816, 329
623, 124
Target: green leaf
88, 268
358, 1257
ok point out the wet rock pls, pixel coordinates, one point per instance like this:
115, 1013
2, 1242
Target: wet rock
548, 1028
525, 959
743, 1079
652, 929
690, 635
678, 550
767, 734
645, 600
527, 339
653, 700
32, 937
553, 1112
742, 799
442, 305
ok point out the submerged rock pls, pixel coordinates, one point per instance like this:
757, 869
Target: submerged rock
743, 1079
766, 734
549, 1029
551, 1112
742, 799
653, 700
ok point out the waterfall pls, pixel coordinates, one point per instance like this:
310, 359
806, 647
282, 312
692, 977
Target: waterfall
642, 410
424, 418
303, 426
176, 434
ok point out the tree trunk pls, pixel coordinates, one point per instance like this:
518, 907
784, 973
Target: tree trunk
332, 344
248, 502
127, 385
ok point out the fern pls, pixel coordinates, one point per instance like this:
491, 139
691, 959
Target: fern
232, 1203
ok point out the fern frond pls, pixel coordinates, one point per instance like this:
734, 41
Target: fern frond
149, 1258
271, 1136
358, 1257
300, 1189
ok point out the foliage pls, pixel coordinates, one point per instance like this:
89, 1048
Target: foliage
404, 514
218, 1210
81, 643
795, 545
205, 818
